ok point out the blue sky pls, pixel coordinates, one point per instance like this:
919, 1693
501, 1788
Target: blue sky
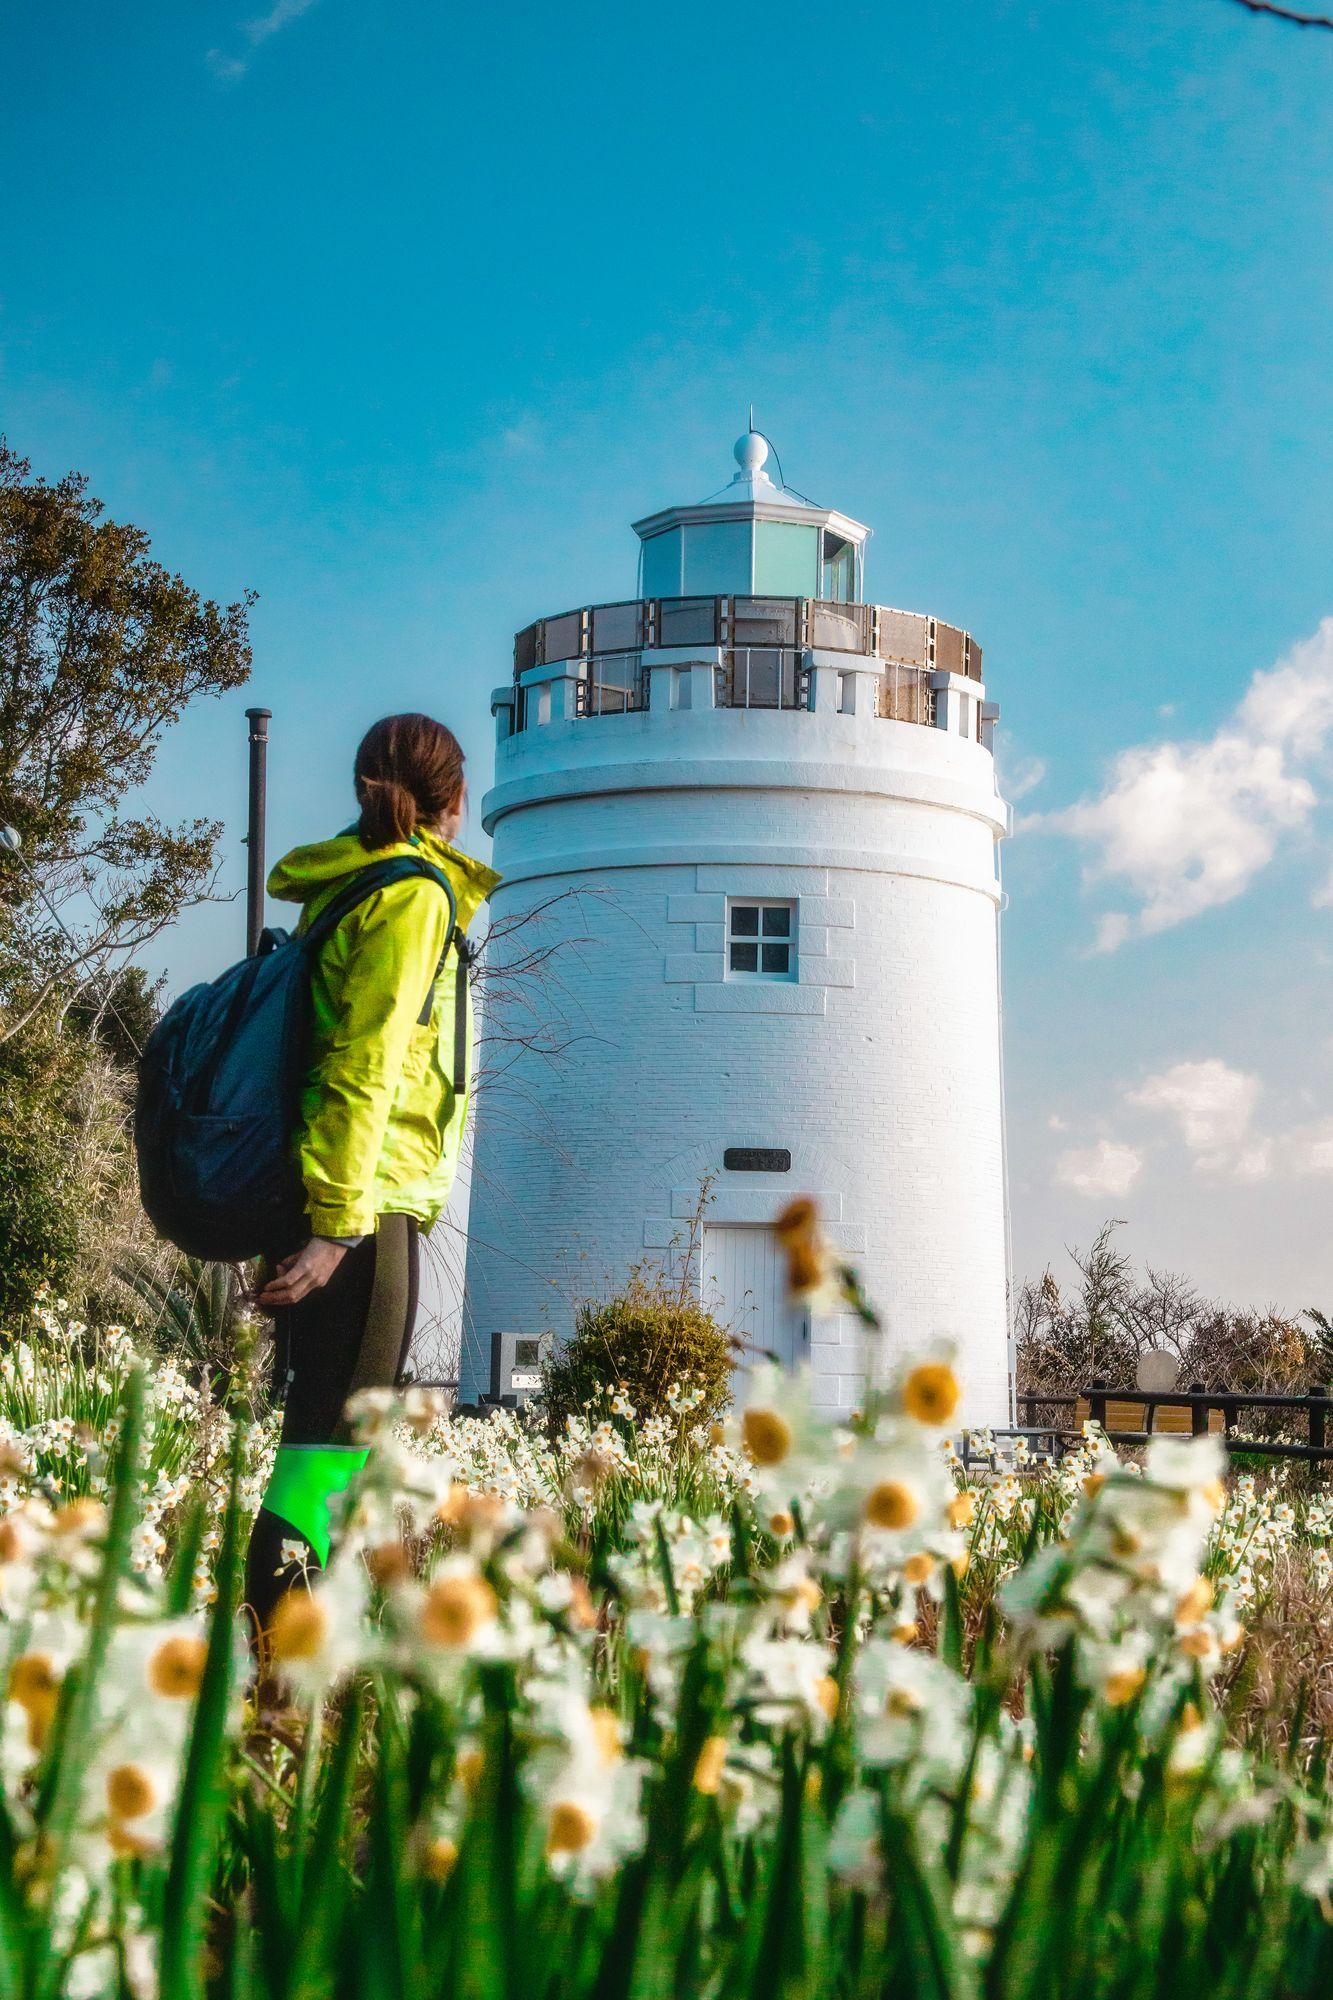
400, 314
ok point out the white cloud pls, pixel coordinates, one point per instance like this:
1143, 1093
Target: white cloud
1212, 1104
1021, 776
1307, 1152
1213, 1107
230, 68
1108, 1168
277, 18
1188, 825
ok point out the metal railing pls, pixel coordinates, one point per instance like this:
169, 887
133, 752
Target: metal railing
762, 677
905, 638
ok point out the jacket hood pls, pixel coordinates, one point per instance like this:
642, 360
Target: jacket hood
312, 870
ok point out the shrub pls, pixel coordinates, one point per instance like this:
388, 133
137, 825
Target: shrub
642, 1342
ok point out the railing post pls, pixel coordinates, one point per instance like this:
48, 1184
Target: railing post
259, 719
1096, 1403
1198, 1411
1317, 1418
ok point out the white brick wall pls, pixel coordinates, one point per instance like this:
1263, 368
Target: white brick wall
878, 1067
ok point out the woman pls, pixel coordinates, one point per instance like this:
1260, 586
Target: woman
381, 1125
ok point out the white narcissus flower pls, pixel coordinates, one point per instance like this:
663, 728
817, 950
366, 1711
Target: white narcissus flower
789, 1681
908, 1704
319, 1634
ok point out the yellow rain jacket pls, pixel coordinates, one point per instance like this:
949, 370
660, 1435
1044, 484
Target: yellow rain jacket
381, 1122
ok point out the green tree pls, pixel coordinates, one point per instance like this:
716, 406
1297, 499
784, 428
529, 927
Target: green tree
101, 649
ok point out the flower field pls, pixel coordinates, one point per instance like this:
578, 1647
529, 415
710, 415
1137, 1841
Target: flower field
780, 1708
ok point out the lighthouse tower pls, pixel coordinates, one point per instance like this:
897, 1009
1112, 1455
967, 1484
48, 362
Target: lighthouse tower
746, 944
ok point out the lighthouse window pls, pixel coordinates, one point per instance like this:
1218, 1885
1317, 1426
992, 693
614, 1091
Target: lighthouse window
761, 941
839, 568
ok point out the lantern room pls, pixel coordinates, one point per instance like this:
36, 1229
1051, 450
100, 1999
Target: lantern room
753, 539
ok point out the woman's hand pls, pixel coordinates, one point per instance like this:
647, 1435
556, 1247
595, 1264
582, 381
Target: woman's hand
302, 1273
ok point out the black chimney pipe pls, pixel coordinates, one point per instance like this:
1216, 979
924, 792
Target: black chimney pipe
258, 718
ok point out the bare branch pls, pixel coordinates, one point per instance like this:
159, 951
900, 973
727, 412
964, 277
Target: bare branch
1292, 14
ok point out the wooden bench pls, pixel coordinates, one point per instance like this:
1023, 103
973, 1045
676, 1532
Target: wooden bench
1142, 1413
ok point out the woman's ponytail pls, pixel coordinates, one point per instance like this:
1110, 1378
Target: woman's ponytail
409, 773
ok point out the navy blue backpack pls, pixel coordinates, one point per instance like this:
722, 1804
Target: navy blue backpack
220, 1085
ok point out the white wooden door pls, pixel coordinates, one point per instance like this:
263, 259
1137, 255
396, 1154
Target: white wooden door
744, 1287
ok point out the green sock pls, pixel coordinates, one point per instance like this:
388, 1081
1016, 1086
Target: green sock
306, 1480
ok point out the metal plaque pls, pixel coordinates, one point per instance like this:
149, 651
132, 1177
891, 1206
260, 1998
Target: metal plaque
757, 1160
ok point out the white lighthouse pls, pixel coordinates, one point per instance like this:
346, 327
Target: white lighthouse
746, 938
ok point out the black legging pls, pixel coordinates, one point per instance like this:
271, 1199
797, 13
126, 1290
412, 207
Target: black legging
353, 1333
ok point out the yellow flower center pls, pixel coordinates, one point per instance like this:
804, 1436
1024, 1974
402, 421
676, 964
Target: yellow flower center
907, 1633
32, 1678
299, 1626
1122, 1684
781, 1525
606, 1733
572, 1828
931, 1393
130, 1792
962, 1510
918, 1569
767, 1437
798, 1218
35, 1686
1197, 1600
176, 1669
826, 1694
438, 1858
891, 1504
388, 1564
456, 1610
469, 1766
708, 1769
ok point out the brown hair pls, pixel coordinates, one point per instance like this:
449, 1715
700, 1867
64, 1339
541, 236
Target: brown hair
408, 771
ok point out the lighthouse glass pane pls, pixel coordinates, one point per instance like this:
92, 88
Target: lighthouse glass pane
786, 559
661, 565
717, 558
839, 568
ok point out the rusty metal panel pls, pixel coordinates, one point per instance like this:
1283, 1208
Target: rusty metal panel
902, 636
902, 694
948, 649
973, 658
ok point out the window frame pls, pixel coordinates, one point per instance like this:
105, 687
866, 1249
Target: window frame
730, 937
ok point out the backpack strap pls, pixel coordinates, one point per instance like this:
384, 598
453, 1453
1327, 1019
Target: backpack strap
465, 958
378, 875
